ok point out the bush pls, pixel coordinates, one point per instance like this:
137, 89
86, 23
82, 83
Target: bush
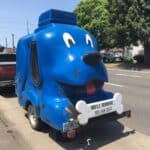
128, 60
139, 58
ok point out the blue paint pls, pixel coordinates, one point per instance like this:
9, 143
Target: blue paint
61, 46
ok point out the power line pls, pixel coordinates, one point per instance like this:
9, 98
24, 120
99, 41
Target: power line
16, 23
6, 42
13, 43
28, 31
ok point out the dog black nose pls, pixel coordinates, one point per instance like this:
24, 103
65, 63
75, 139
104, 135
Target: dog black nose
92, 59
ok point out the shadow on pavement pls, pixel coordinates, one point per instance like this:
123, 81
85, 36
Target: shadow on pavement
97, 135
8, 92
93, 136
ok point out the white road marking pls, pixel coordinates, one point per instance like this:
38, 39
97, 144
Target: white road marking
113, 84
127, 75
134, 71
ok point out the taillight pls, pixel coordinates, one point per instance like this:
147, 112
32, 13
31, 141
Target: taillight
7, 71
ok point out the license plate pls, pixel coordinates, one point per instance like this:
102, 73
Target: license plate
101, 105
70, 125
102, 108
105, 104
103, 111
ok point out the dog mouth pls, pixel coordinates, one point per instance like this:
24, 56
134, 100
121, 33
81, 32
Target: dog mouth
89, 88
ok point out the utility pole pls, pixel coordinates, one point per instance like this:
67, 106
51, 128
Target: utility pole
6, 42
28, 30
13, 43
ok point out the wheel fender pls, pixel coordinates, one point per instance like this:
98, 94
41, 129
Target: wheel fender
55, 113
31, 96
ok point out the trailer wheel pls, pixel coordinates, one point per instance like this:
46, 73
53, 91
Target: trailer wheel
55, 134
34, 121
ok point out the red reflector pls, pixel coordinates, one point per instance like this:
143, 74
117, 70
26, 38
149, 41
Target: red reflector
71, 134
7, 71
129, 114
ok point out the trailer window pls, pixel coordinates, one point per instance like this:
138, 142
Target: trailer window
34, 68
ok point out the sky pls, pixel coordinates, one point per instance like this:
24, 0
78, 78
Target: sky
14, 15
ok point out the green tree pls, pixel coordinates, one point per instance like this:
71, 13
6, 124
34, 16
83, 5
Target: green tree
94, 17
130, 21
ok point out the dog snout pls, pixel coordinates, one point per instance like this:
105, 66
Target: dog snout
92, 59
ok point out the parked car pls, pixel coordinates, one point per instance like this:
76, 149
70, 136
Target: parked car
7, 69
112, 57
139, 58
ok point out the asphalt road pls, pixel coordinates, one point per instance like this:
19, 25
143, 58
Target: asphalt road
16, 133
135, 88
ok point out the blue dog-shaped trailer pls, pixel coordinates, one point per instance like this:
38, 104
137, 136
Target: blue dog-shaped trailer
60, 76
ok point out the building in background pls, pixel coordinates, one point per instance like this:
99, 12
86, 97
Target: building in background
134, 50
10, 50
7, 50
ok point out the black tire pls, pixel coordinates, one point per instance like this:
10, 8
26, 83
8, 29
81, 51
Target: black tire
34, 121
58, 135
106, 60
55, 134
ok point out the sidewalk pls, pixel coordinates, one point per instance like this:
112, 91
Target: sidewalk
108, 137
137, 67
9, 137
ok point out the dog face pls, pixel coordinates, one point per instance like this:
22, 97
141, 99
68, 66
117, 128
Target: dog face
68, 52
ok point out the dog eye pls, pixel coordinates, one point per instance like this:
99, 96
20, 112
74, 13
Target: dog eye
68, 39
89, 41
